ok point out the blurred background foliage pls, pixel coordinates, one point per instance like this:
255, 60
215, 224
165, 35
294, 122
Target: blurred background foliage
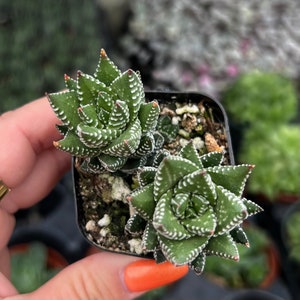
40, 41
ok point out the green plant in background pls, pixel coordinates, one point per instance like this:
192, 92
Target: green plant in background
263, 105
252, 267
276, 153
193, 207
292, 235
261, 98
106, 119
40, 41
29, 269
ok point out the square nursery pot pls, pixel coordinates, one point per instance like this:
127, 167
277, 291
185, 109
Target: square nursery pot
102, 204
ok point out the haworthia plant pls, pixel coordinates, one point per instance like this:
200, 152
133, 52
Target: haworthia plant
105, 118
187, 206
191, 206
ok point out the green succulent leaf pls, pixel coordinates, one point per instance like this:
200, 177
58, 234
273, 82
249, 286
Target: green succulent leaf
199, 204
159, 256
70, 83
181, 252
88, 88
189, 152
203, 225
223, 246
170, 171
133, 164
65, 105
165, 222
233, 178
148, 115
239, 236
103, 116
212, 159
128, 87
106, 70
252, 208
112, 163
159, 156
94, 137
198, 264
230, 211
119, 116
166, 128
200, 183
143, 202
146, 175
159, 140
135, 224
105, 102
88, 115
146, 146
91, 165
126, 143
73, 145
179, 204
63, 129
149, 240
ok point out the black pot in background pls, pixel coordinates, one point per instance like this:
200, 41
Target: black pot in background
252, 295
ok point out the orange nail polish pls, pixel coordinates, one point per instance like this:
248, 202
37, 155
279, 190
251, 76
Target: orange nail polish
143, 275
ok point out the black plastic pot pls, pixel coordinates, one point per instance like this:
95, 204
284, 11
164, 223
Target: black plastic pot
251, 295
219, 116
52, 223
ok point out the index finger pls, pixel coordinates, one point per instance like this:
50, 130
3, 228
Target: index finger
27, 134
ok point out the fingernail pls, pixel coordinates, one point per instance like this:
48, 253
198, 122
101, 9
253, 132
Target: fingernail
143, 275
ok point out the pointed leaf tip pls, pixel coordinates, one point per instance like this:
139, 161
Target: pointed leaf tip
202, 173
56, 144
66, 77
103, 53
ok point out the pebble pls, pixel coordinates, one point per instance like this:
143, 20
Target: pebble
104, 221
136, 246
90, 226
193, 109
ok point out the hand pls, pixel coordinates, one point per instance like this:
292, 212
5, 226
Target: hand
31, 166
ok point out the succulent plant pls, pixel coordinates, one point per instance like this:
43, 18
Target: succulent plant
105, 119
191, 206
186, 205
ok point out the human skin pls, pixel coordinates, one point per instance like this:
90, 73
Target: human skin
31, 166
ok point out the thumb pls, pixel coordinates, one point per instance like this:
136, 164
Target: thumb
106, 276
